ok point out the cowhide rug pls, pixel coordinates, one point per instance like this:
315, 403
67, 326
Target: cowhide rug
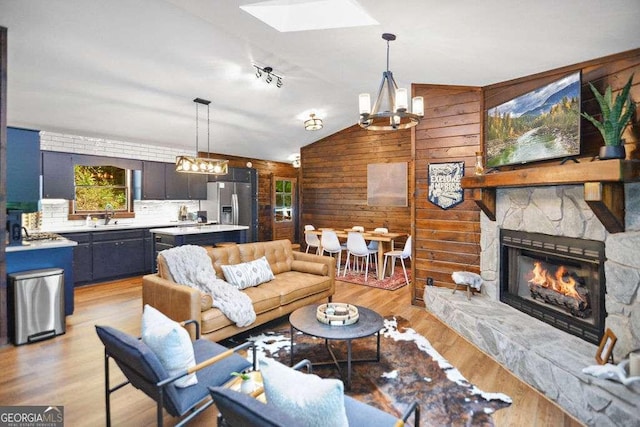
410, 369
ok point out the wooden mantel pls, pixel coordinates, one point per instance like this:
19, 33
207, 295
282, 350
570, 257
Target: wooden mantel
603, 182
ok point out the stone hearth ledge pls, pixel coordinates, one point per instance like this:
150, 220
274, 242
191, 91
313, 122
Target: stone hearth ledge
541, 355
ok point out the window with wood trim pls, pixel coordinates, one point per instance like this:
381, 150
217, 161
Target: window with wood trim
96, 187
284, 200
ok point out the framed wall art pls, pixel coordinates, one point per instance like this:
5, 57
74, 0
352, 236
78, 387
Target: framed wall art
387, 184
444, 184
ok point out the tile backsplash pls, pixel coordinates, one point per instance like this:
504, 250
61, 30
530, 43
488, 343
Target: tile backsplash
55, 212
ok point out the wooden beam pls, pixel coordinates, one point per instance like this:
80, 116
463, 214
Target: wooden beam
569, 173
485, 198
606, 200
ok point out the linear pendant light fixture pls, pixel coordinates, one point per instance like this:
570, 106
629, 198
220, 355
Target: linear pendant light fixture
202, 165
396, 115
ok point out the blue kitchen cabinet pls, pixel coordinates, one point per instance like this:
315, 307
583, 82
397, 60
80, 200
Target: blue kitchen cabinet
82, 258
153, 181
184, 186
57, 175
40, 258
23, 169
235, 175
118, 254
149, 253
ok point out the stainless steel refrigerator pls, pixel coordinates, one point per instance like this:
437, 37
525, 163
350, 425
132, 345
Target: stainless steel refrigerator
233, 203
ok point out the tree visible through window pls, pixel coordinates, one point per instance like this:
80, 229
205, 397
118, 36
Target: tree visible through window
284, 199
97, 186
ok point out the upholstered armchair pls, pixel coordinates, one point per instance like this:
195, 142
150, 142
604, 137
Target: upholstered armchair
143, 369
240, 410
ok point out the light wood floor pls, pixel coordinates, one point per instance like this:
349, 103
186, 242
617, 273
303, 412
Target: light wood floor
68, 370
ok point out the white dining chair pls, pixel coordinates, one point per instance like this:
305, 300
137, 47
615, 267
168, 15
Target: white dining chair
402, 255
358, 228
311, 239
357, 247
373, 245
330, 244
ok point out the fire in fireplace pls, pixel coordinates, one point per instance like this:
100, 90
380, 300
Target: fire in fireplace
563, 288
559, 280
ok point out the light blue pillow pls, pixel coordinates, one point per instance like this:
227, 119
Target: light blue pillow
311, 400
247, 274
171, 343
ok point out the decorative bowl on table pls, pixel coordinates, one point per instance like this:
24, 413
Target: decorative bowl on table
337, 314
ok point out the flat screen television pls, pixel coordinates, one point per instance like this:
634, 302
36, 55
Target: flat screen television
539, 125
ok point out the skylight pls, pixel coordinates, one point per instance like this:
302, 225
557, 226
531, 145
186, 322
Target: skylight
305, 15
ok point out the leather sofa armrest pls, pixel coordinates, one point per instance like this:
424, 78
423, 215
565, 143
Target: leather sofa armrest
178, 302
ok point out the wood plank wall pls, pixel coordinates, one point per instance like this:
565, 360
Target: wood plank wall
333, 172
333, 184
445, 240
266, 170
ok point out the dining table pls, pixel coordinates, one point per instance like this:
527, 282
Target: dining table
385, 243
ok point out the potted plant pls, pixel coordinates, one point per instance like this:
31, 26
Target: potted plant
616, 115
246, 385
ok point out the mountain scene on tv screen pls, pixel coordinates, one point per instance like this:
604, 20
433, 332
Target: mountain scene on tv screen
541, 124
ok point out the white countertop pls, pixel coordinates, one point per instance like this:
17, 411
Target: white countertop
42, 244
116, 225
202, 229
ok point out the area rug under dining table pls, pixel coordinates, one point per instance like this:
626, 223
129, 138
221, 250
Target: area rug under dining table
390, 283
410, 369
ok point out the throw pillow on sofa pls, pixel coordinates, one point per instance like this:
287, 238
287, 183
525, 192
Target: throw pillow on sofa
170, 342
311, 400
247, 274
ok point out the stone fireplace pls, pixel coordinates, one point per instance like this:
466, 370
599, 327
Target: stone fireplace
550, 358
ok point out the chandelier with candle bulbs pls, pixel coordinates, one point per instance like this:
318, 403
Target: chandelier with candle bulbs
390, 110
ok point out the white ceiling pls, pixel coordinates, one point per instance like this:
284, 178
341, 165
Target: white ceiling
130, 69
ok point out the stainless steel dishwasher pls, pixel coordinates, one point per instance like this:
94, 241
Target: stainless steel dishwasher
37, 299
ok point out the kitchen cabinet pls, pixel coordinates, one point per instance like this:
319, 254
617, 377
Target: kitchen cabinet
149, 253
57, 175
176, 184
234, 175
117, 254
36, 257
184, 186
82, 257
23, 173
153, 181
207, 235
243, 174
160, 181
106, 255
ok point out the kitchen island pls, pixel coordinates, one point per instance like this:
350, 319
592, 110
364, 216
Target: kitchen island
202, 235
41, 254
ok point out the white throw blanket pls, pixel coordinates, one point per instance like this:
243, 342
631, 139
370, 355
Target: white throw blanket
190, 265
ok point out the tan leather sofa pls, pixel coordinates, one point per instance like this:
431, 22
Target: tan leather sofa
300, 279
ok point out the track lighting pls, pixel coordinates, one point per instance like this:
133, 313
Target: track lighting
270, 75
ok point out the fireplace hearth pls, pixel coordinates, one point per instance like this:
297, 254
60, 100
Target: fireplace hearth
559, 280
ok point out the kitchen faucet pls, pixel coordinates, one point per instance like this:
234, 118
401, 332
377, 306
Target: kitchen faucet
108, 213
